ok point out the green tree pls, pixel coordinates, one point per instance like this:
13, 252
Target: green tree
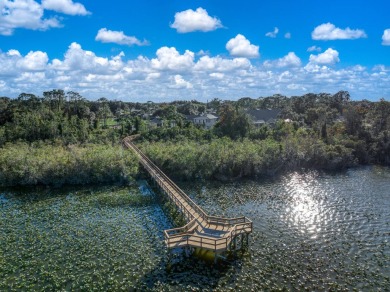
56, 99
233, 122
104, 110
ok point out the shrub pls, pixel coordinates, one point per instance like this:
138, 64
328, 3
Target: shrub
40, 163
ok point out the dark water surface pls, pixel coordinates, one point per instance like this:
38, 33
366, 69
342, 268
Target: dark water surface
312, 231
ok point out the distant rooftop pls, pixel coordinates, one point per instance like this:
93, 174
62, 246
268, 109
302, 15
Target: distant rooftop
207, 116
263, 114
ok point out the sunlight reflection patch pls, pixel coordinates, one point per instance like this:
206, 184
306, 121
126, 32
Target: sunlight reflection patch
304, 212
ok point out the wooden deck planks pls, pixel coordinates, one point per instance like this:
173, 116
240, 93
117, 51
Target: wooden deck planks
202, 231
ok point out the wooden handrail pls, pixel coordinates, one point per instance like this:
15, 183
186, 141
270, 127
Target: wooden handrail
185, 235
184, 195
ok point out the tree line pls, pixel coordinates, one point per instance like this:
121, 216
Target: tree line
321, 131
361, 128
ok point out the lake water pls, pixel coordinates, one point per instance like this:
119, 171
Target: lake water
312, 231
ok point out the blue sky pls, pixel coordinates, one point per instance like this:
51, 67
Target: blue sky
153, 50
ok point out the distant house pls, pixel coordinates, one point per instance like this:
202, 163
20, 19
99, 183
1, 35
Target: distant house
210, 111
264, 116
191, 118
156, 122
206, 120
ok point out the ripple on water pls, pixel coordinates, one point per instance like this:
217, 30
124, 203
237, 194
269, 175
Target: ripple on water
312, 231
338, 223
3, 199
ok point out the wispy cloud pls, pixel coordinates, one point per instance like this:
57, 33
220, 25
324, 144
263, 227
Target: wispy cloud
118, 37
314, 49
273, 34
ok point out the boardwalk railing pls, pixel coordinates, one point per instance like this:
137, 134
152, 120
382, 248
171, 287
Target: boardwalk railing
204, 231
215, 244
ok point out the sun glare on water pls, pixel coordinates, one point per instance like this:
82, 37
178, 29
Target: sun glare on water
304, 212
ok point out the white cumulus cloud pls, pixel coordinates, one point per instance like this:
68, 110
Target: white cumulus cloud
13, 64
8, 63
173, 75
34, 61
13, 53
386, 37
118, 37
217, 75
328, 31
207, 63
170, 59
240, 46
290, 60
27, 14
178, 82
287, 35
78, 59
65, 6
329, 57
272, 34
31, 77
198, 20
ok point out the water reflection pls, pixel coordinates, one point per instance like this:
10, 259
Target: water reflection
304, 213
312, 231
315, 230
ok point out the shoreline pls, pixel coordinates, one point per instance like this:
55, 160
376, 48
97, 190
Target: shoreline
139, 176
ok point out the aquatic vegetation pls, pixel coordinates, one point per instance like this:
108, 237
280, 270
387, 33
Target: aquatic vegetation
83, 238
312, 231
226, 159
40, 163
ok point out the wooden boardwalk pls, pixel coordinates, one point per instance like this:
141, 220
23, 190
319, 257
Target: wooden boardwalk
202, 231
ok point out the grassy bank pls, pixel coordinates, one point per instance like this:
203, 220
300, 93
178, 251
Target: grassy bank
40, 163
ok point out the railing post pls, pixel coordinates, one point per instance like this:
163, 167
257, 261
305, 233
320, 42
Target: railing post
177, 196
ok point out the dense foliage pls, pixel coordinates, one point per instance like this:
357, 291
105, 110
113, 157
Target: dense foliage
39, 163
224, 158
321, 131
66, 117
